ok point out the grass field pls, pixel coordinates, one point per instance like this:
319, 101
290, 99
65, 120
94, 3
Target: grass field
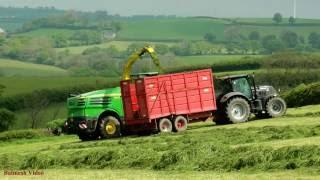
280, 148
17, 85
171, 29
18, 68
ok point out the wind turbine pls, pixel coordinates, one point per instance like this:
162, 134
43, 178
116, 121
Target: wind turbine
294, 9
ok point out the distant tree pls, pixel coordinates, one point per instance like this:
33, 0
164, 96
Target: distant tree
2, 40
277, 18
254, 35
232, 34
1, 89
210, 37
292, 20
231, 47
162, 49
35, 104
301, 39
7, 119
314, 40
290, 39
271, 44
116, 26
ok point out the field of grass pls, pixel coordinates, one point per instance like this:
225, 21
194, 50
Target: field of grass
286, 147
120, 45
17, 85
171, 29
18, 68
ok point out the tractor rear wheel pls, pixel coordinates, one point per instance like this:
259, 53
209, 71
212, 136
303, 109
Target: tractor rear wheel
110, 127
276, 107
165, 125
238, 110
180, 123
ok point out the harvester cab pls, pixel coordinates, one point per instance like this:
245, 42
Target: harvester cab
239, 95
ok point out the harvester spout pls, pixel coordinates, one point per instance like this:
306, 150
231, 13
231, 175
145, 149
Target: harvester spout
135, 57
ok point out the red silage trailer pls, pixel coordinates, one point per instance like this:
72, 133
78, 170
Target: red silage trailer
168, 102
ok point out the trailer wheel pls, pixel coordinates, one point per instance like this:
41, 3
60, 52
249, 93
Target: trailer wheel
276, 107
180, 123
110, 127
165, 125
238, 110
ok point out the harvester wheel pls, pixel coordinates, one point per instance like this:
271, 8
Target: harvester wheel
238, 110
276, 107
110, 127
180, 123
165, 125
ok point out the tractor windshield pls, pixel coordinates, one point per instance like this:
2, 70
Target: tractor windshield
242, 85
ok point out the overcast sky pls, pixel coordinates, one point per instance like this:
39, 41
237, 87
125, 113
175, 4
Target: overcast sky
217, 8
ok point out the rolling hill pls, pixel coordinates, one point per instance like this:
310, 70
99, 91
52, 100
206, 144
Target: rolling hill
17, 68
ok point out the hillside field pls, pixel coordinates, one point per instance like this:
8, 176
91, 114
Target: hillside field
17, 68
17, 85
277, 148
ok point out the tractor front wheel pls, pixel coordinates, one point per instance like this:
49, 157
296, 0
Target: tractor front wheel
110, 127
276, 107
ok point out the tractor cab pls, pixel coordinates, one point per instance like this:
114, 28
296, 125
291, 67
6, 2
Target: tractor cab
264, 101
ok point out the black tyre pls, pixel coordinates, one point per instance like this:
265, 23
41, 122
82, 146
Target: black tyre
109, 127
276, 107
238, 110
180, 123
165, 125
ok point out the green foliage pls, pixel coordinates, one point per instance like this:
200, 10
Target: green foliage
303, 95
56, 126
254, 35
314, 40
36, 50
277, 18
272, 44
23, 134
7, 118
291, 60
292, 20
210, 37
290, 39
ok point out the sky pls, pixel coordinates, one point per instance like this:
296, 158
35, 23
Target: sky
214, 8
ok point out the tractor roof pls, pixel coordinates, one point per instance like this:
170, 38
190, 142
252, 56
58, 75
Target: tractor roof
234, 76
